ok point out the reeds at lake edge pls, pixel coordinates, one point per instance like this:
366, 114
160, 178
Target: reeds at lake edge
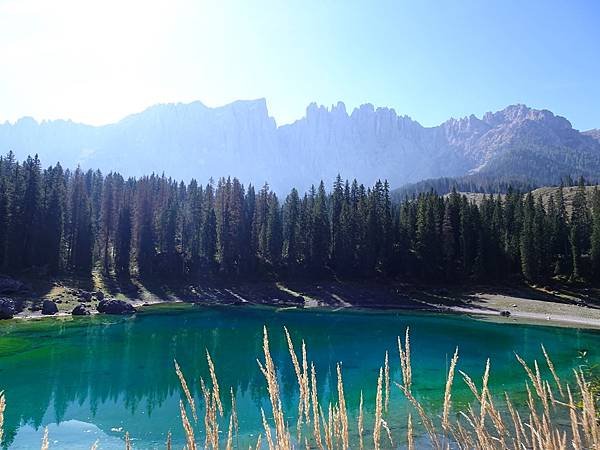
482, 425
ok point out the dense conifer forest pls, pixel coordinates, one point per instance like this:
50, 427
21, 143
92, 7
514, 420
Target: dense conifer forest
56, 220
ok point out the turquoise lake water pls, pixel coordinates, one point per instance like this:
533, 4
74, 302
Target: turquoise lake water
93, 378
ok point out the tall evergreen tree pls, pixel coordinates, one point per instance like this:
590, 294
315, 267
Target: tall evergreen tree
123, 238
291, 221
595, 238
579, 230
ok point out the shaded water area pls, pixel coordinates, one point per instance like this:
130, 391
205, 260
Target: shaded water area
93, 378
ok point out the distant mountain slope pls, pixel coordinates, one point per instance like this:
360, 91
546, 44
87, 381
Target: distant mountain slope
241, 139
544, 193
594, 134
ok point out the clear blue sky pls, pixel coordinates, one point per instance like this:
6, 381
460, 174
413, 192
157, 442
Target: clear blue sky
96, 61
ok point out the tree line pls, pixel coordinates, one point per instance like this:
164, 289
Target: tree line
62, 221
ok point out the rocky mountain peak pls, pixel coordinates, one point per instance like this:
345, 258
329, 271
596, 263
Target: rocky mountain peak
369, 143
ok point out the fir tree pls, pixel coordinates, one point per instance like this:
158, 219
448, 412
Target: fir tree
595, 238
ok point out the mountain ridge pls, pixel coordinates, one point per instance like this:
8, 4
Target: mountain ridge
241, 139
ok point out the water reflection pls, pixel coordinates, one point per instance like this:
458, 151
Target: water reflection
116, 374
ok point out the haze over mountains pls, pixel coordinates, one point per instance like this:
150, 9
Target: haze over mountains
241, 139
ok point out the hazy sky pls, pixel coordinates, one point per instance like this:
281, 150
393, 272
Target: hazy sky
96, 61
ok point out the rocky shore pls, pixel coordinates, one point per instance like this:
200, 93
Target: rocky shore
560, 306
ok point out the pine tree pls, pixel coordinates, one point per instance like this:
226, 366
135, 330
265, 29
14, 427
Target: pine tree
595, 238
274, 231
53, 221
31, 211
81, 239
562, 246
319, 239
529, 258
107, 214
208, 239
123, 239
579, 236
291, 219
541, 240
337, 237
7, 166
146, 240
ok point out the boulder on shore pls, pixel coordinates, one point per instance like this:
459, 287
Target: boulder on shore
99, 295
85, 296
7, 308
112, 306
80, 310
49, 308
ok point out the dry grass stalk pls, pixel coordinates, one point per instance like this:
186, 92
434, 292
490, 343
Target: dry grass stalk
234, 415
337, 426
378, 412
483, 406
405, 360
315, 407
259, 442
187, 428
386, 375
210, 417
553, 372
576, 437
208, 426
542, 428
282, 436
46, 444
519, 431
410, 440
360, 424
168, 444
427, 422
405, 364
448, 392
229, 445
267, 431
2, 409
305, 383
300, 376
385, 426
127, 441
343, 413
215, 383
328, 427
94, 445
536, 381
186, 391
589, 414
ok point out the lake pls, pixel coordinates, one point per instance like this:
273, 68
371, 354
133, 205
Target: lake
93, 378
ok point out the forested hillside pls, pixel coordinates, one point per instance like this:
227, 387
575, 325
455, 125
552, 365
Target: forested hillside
56, 220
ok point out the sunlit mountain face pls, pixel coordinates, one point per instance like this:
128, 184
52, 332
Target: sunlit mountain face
241, 139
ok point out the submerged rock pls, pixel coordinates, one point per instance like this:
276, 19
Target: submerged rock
49, 308
112, 306
7, 308
80, 310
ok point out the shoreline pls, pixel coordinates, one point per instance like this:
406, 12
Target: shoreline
524, 304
